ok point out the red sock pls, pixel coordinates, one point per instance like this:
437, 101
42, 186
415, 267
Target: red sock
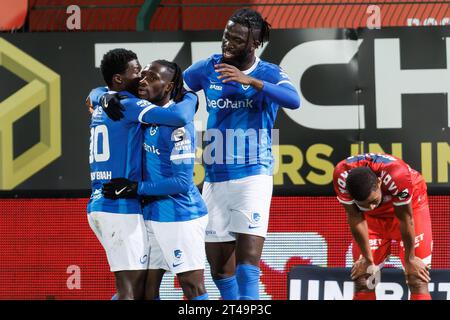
420, 296
364, 296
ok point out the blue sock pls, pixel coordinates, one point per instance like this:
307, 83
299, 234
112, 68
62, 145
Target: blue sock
202, 297
247, 276
115, 297
157, 298
228, 288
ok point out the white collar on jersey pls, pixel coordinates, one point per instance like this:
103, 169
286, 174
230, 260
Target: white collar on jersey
167, 104
253, 67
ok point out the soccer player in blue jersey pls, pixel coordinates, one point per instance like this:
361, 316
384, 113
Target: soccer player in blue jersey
116, 151
243, 94
176, 215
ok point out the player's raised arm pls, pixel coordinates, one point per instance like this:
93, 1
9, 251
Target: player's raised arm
177, 115
193, 76
93, 97
282, 92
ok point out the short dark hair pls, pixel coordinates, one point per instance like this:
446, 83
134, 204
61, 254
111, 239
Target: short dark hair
115, 62
253, 21
177, 92
361, 182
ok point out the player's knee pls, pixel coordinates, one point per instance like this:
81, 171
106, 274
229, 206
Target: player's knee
222, 271
361, 285
191, 286
415, 284
251, 255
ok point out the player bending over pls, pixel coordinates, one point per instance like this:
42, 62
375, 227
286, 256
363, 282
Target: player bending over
385, 201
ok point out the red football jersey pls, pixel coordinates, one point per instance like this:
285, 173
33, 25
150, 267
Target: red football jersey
400, 184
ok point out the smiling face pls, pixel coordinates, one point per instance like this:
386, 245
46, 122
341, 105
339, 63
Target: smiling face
156, 84
238, 44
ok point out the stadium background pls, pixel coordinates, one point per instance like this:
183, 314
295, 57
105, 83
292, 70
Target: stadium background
44, 236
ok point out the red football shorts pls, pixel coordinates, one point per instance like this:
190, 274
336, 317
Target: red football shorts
382, 231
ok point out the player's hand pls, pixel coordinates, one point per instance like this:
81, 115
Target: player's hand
89, 105
120, 188
111, 105
363, 267
416, 267
231, 73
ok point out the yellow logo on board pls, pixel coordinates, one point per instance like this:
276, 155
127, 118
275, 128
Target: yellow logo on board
42, 90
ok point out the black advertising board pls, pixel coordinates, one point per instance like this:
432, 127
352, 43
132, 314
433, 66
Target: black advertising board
361, 90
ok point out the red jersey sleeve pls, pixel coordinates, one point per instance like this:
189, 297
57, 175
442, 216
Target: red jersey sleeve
397, 181
340, 183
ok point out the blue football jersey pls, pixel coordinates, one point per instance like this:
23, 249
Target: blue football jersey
240, 121
115, 151
168, 151
116, 146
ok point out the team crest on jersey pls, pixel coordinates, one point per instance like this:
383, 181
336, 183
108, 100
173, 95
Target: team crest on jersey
153, 129
245, 86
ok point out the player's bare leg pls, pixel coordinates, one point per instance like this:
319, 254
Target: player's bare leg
193, 285
153, 283
248, 254
222, 262
221, 259
130, 285
418, 288
248, 249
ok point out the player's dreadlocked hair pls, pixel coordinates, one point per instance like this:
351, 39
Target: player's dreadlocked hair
253, 21
115, 62
177, 92
361, 182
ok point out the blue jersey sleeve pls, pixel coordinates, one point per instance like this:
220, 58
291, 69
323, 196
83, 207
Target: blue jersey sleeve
96, 93
279, 88
282, 94
139, 110
176, 115
193, 75
182, 162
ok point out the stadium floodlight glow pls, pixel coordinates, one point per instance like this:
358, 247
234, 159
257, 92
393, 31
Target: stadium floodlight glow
42, 90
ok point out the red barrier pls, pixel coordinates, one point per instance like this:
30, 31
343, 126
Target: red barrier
41, 240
